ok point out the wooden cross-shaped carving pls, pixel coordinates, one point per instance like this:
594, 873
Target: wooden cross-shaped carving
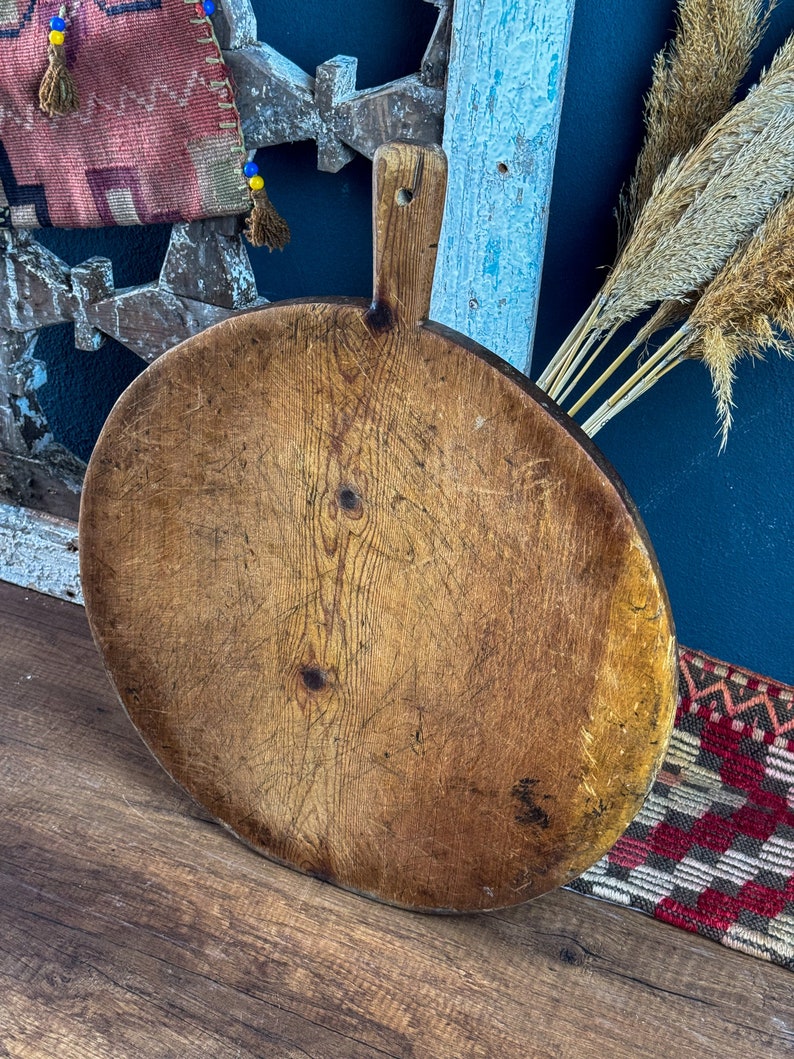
512, 54
206, 275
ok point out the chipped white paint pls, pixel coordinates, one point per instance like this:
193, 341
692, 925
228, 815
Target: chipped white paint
235, 23
504, 96
40, 552
23, 427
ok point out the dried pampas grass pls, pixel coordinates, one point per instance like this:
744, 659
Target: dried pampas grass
691, 226
747, 309
695, 79
711, 228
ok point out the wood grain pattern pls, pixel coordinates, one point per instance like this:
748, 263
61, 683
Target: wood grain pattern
132, 927
408, 191
371, 600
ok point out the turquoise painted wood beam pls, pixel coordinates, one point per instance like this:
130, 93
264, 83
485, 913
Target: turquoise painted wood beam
504, 97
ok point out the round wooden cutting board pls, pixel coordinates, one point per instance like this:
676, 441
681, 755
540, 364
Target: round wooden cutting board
371, 599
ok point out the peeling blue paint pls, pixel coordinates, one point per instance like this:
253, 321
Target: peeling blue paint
554, 73
30, 422
501, 161
493, 252
38, 375
525, 153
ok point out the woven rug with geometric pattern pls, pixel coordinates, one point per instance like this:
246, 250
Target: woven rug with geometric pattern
157, 134
712, 850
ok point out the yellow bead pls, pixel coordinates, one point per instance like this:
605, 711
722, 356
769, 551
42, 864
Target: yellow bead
256, 183
57, 37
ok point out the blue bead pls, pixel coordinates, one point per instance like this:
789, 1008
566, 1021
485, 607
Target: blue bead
209, 7
250, 169
58, 24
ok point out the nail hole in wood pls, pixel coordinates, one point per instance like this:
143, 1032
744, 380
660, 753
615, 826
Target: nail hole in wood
502, 169
404, 196
314, 678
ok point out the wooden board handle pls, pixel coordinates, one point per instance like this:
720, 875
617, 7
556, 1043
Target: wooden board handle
409, 183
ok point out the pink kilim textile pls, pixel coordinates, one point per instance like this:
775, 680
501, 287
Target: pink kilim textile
712, 850
157, 136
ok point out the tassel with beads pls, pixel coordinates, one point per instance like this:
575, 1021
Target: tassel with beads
264, 225
58, 91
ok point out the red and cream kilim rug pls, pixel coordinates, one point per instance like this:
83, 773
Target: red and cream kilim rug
156, 137
712, 850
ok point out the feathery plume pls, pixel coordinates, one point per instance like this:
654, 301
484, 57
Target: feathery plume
695, 79
712, 242
748, 308
701, 208
719, 218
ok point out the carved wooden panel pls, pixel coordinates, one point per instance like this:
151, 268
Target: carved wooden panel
206, 275
512, 53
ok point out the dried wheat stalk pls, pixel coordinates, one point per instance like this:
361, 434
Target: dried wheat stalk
748, 308
690, 228
708, 58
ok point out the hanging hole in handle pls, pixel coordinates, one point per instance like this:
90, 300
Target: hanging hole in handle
404, 197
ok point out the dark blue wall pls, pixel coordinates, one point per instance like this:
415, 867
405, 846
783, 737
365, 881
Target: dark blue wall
723, 525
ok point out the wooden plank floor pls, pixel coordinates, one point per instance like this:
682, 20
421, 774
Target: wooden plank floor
131, 926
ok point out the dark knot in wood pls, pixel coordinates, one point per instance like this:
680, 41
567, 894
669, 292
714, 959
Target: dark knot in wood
380, 317
314, 678
349, 500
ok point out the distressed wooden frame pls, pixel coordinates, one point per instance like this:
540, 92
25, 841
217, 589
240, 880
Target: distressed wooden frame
502, 92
